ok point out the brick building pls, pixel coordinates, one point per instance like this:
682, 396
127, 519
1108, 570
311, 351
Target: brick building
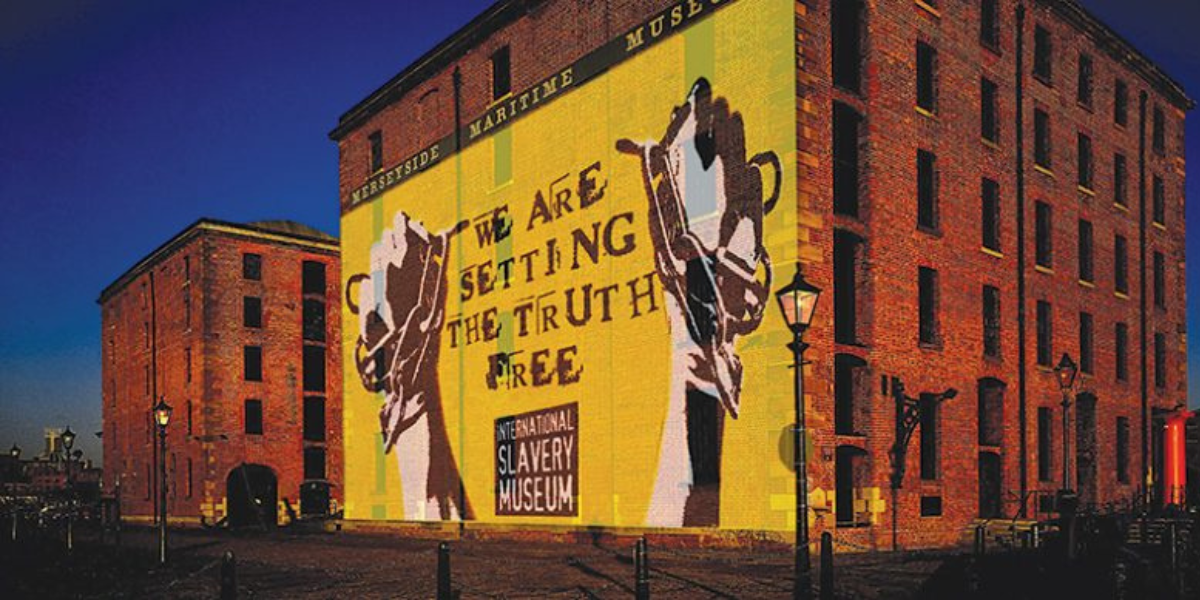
235, 327
981, 187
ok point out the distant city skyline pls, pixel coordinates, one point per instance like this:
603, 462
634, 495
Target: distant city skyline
128, 121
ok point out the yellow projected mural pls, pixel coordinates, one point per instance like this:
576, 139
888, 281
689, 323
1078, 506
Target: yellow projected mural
567, 321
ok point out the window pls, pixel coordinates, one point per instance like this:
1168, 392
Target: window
1121, 266
501, 73
252, 267
991, 321
312, 278
146, 334
376, 141
931, 506
1087, 263
187, 364
314, 419
1042, 50
991, 215
989, 24
314, 368
189, 477
1083, 92
928, 408
989, 121
927, 183
1086, 172
1045, 334
1122, 352
1160, 360
1045, 433
1160, 280
314, 463
1087, 362
147, 373
846, 249
252, 363
251, 311
1121, 103
1159, 193
991, 412
187, 269
845, 159
314, 320
1044, 235
1122, 449
846, 17
1120, 180
189, 417
187, 308
254, 417
928, 300
849, 380
1041, 139
926, 77
1160, 130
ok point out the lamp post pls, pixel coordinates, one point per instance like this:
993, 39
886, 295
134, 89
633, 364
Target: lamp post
15, 452
798, 302
162, 417
68, 440
1067, 500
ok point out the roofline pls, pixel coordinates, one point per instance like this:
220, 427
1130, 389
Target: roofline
1122, 50
205, 224
440, 56
504, 12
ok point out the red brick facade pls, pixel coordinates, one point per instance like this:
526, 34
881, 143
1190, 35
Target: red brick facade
889, 248
175, 326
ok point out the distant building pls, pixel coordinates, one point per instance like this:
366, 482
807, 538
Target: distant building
236, 327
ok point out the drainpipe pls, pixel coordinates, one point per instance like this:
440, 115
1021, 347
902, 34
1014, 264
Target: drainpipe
1142, 98
1022, 366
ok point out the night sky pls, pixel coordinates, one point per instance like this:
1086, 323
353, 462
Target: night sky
124, 121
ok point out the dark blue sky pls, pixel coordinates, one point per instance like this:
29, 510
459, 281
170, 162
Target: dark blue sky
124, 121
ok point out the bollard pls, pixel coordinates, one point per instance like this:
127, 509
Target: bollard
641, 570
980, 540
15, 516
1035, 536
70, 533
443, 572
826, 566
228, 576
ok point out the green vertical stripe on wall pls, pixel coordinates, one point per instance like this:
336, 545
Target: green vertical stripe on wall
502, 157
379, 512
380, 466
699, 52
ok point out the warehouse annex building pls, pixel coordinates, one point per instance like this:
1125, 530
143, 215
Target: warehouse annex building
563, 226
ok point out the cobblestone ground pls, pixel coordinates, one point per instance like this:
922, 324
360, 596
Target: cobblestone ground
344, 565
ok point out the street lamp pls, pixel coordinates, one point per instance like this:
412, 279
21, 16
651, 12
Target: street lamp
1067, 500
162, 417
798, 302
68, 440
15, 452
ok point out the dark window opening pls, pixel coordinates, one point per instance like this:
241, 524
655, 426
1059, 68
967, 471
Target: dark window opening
846, 18
926, 77
930, 445
312, 277
991, 412
501, 73
254, 417
314, 368
1160, 130
1083, 93
1045, 439
989, 117
252, 267
187, 308
852, 479
991, 215
845, 159
1121, 103
1160, 201
852, 394
927, 192
1087, 361
314, 419
1086, 173
314, 320
1043, 49
1122, 449
1160, 280
1043, 236
991, 481
1122, 351
989, 24
1041, 139
251, 311
252, 363
991, 321
1121, 266
931, 506
1045, 334
314, 463
847, 250
928, 304
376, 141
1160, 360
1120, 180
1087, 263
